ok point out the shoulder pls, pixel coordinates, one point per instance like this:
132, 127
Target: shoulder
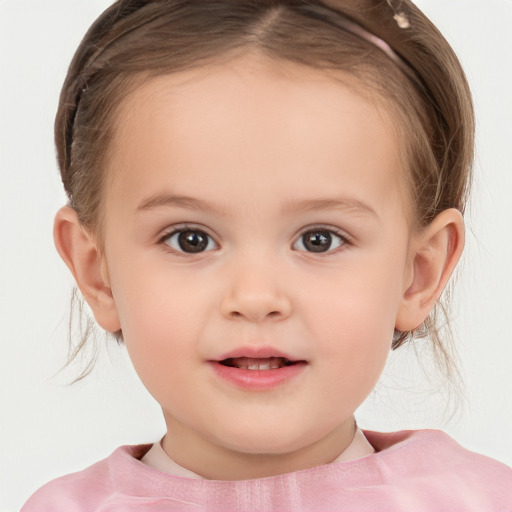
433, 461
87, 489
433, 445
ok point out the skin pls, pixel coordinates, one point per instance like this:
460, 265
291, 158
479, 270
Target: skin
263, 152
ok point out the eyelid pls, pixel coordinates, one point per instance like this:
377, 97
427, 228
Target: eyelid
179, 228
343, 235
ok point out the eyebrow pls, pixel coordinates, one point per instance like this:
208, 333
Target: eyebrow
192, 203
346, 204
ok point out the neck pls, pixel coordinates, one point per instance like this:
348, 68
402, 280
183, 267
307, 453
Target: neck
216, 462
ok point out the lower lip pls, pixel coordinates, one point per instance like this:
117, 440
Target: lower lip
258, 380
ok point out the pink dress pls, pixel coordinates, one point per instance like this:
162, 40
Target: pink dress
411, 471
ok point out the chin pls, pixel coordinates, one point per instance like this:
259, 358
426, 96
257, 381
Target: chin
273, 440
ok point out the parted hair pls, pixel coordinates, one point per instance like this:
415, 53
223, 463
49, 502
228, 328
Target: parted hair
426, 91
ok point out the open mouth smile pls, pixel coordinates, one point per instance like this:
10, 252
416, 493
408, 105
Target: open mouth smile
258, 373
250, 363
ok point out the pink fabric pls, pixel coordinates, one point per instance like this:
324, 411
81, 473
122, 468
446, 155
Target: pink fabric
412, 471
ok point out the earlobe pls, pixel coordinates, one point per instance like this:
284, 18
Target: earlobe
435, 253
78, 249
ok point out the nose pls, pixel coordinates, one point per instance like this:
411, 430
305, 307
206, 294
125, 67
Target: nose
256, 294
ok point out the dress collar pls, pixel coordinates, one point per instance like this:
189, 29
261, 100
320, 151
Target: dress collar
158, 459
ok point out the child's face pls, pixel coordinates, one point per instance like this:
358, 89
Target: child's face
250, 213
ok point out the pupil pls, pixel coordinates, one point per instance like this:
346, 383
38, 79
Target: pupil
193, 241
317, 241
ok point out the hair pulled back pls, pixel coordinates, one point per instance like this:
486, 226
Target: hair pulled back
135, 40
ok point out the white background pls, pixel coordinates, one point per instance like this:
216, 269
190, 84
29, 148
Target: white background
48, 428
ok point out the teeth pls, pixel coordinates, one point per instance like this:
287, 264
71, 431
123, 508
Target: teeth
265, 366
246, 363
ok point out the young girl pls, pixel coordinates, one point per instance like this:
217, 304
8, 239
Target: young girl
265, 196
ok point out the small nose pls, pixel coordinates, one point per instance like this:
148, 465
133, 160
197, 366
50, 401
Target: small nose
255, 294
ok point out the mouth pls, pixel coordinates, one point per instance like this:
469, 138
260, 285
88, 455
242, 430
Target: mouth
260, 363
257, 370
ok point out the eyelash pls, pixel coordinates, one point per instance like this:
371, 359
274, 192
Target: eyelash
164, 239
343, 239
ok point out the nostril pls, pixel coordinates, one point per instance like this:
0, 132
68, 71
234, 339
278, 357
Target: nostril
271, 314
255, 307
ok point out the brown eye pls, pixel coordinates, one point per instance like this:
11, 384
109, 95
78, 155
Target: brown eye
318, 240
190, 241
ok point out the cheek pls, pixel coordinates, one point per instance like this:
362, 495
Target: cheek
362, 300
355, 318
159, 318
359, 340
161, 337
355, 352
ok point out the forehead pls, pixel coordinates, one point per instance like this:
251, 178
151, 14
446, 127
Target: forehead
249, 123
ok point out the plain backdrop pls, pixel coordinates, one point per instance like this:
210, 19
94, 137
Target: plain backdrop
48, 428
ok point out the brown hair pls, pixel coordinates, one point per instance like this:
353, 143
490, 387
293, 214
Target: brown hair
135, 40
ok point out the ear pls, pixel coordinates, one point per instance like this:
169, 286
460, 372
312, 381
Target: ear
436, 249
79, 250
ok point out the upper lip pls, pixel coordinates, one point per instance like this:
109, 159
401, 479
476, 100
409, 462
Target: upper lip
256, 352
